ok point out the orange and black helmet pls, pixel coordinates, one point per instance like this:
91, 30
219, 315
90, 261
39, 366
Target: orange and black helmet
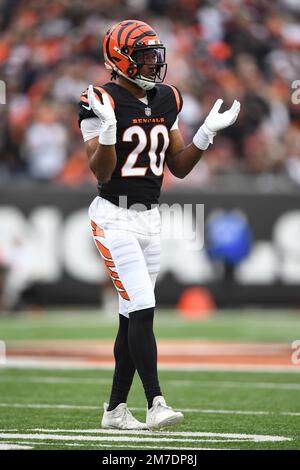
130, 45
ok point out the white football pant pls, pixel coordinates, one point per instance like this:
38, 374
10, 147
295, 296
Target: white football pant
129, 244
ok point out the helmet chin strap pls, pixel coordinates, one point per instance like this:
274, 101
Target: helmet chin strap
144, 84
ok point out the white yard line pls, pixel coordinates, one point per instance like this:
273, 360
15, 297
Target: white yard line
127, 439
225, 412
219, 436
112, 446
22, 362
54, 380
184, 410
43, 405
115, 436
174, 383
13, 446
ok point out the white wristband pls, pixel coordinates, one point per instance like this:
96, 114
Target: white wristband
108, 135
203, 137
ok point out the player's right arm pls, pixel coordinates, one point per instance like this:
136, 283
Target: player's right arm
101, 150
102, 159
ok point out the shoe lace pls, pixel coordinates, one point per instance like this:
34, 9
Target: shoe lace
163, 405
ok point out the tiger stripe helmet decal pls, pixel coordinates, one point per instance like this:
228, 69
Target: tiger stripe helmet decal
120, 44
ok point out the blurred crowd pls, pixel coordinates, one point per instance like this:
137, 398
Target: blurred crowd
246, 49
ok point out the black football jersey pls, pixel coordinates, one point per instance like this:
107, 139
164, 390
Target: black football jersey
142, 141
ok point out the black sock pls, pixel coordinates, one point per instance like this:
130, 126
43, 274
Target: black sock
124, 367
142, 346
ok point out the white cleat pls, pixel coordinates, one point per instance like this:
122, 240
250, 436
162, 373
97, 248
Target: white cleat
120, 418
161, 415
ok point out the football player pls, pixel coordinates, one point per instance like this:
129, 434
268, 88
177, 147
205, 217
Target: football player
130, 130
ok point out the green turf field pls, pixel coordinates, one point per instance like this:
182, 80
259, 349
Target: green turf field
61, 409
244, 325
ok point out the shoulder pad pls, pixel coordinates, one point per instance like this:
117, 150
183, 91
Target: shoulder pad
177, 96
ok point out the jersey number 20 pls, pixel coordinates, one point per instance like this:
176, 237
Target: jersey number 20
128, 168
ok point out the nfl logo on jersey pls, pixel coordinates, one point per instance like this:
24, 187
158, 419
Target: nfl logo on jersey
148, 111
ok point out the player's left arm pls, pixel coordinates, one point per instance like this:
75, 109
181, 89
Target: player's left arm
180, 158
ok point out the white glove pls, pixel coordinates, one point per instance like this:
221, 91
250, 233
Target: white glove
214, 122
104, 111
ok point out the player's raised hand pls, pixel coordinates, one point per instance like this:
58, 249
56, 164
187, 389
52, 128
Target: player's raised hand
216, 121
104, 110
